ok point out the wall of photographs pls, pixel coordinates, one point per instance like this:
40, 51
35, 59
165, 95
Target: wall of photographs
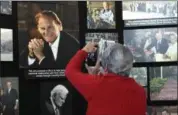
147, 28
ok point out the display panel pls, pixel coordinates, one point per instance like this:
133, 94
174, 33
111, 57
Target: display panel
149, 13
6, 40
6, 7
152, 45
59, 41
101, 15
163, 83
140, 75
9, 100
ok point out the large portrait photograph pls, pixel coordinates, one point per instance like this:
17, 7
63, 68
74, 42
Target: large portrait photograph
48, 38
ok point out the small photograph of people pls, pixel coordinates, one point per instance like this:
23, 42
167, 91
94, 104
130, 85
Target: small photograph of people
163, 83
101, 15
162, 110
6, 7
152, 45
149, 9
55, 98
9, 96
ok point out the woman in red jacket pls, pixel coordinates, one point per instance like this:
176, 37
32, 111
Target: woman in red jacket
113, 92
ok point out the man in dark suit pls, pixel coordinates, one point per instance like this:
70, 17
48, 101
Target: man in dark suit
11, 100
160, 43
53, 105
55, 47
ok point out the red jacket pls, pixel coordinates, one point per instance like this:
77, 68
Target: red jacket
109, 94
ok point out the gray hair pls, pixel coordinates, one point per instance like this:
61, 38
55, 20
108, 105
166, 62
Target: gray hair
117, 59
59, 89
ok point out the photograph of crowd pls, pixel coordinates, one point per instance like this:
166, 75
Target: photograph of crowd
152, 45
9, 93
6, 7
149, 9
162, 110
140, 75
163, 83
6, 42
48, 24
100, 15
103, 40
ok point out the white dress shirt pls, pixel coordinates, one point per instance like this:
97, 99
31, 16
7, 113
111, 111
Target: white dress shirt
54, 47
9, 90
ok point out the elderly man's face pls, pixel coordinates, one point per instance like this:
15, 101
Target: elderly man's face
48, 28
9, 85
60, 99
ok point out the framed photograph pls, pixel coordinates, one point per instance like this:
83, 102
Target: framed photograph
6, 40
55, 98
101, 15
59, 43
6, 7
149, 13
163, 83
9, 96
152, 45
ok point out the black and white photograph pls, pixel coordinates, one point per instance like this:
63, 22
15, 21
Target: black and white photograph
162, 110
149, 12
9, 96
152, 45
140, 75
55, 98
163, 83
58, 44
101, 15
6, 41
104, 40
6, 7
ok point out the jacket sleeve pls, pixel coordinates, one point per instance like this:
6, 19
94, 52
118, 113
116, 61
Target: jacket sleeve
83, 82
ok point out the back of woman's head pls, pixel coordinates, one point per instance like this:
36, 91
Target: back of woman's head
117, 59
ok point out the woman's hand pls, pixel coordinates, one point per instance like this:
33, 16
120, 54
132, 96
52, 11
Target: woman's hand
90, 47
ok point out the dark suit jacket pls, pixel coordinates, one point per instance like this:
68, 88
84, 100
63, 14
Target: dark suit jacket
10, 98
47, 109
68, 46
161, 47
